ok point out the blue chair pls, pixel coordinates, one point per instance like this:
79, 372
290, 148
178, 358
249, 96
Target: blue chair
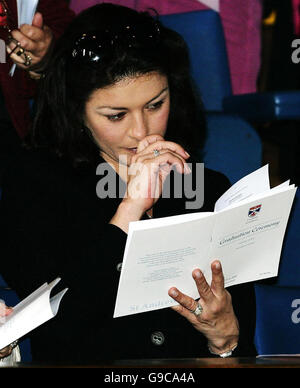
277, 320
278, 305
233, 146
204, 35
289, 268
203, 32
262, 107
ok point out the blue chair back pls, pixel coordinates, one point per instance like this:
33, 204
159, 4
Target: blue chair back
203, 33
278, 306
232, 146
289, 268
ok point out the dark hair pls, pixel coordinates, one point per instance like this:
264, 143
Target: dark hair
104, 44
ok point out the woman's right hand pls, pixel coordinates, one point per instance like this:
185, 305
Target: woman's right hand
4, 312
146, 176
148, 172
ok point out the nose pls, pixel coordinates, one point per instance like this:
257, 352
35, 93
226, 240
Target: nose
139, 127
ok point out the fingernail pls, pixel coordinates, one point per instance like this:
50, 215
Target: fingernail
217, 265
187, 154
174, 293
198, 274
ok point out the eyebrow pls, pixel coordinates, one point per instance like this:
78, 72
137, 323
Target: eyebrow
123, 108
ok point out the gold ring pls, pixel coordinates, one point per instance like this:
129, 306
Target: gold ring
15, 41
28, 60
20, 52
17, 45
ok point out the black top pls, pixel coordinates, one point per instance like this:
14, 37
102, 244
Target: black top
53, 224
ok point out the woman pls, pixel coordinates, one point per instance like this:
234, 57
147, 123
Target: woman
117, 91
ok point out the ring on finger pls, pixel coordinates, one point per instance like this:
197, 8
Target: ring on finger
28, 60
17, 45
198, 310
20, 52
13, 40
156, 153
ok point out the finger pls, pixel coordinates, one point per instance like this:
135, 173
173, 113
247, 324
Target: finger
167, 145
25, 42
165, 157
185, 313
185, 301
20, 60
34, 33
5, 352
14, 47
147, 141
38, 20
4, 310
217, 284
202, 286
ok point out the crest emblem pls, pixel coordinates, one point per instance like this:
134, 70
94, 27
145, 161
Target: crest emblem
253, 211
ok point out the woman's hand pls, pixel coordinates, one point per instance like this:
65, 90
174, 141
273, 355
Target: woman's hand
146, 175
148, 172
217, 320
30, 44
4, 312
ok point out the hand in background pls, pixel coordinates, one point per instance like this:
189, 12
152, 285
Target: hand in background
31, 44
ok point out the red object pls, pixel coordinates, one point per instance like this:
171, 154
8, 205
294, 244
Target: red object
3, 15
296, 15
19, 89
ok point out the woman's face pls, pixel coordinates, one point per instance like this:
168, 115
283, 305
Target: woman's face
121, 115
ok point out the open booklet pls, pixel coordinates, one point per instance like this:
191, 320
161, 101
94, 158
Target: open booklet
245, 232
30, 313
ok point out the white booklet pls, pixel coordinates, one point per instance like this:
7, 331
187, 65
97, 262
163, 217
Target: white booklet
245, 232
30, 313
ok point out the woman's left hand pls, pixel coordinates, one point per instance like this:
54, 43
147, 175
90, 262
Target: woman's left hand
30, 44
217, 320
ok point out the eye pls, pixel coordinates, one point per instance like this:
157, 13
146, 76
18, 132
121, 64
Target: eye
156, 105
116, 117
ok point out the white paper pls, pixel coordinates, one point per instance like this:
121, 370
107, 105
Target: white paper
30, 313
26, 11
255, 183
213, 4
162, 253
